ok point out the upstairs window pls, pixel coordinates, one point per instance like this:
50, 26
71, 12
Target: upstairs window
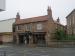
19, 27
39, 26
28, 27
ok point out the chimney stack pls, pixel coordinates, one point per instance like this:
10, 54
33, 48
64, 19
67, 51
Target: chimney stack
58, 20
17, 16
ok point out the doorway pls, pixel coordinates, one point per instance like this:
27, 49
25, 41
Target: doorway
1, 42
39, 39
23, 39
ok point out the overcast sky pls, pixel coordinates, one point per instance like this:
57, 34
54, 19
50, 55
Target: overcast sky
34, 8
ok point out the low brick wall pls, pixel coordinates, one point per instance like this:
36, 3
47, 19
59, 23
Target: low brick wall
61, 44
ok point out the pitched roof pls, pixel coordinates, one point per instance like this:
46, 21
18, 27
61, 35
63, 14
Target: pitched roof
33, 19
58, 23
70, 13
7, 19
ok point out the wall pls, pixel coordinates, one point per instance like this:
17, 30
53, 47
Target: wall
71, 23
7, 38
6, 25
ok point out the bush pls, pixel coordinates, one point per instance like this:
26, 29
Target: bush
60, 35
70, 37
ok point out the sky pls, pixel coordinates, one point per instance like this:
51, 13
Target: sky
34, 8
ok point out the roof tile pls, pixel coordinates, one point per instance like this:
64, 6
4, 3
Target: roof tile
33, 19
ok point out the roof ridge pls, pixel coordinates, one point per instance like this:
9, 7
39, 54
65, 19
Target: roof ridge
36, 17
7, 19
70, 13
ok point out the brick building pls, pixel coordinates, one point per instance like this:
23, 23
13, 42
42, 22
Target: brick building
36, 30
71, 23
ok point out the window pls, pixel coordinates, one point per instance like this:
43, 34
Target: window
39, 26
22, 27
73, 20
19, 27
28, 27
69, 21
16, 27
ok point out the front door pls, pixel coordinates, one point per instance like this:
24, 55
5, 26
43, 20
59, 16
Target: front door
39, 39
21, 39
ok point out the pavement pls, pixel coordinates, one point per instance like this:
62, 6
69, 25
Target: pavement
20, 50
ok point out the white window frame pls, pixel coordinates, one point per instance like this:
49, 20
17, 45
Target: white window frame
39, 26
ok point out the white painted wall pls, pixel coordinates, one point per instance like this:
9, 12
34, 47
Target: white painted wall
2, 5
6, 25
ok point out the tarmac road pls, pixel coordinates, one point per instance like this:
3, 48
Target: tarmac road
38, 51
